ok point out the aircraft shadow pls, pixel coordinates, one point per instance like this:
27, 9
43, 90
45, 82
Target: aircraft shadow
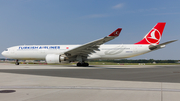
158, 74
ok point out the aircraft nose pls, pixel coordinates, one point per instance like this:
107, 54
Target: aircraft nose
3, 53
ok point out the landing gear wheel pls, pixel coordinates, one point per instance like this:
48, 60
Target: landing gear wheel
17, 63
82, 64
78, 64
85, 64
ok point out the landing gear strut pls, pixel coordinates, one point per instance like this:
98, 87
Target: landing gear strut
81, 61
17, 63
82, 64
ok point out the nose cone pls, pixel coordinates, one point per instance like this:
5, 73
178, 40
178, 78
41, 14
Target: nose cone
3, 53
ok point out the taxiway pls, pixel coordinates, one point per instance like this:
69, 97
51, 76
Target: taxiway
95, 83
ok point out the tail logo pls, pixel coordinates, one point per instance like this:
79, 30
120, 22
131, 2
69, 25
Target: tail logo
153, 37
116, 34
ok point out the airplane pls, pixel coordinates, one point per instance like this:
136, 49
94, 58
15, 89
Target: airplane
92, 50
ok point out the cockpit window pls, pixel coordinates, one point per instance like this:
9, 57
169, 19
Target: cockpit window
6, 50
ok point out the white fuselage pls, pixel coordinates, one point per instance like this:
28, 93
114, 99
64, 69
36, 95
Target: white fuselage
110, 51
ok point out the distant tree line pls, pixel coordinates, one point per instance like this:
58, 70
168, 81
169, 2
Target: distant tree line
3, 59
137, 61
124, 61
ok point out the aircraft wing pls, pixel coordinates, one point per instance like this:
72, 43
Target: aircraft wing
154, 47
93, 46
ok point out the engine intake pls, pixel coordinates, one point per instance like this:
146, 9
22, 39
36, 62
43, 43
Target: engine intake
54, 58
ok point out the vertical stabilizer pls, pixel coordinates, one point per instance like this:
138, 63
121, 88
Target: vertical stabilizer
154, 35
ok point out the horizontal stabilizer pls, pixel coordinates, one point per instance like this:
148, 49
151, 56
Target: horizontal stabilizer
154, 47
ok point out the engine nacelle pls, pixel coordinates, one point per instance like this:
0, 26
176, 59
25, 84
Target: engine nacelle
54, 58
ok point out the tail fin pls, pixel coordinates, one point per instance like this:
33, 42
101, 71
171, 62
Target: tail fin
154, 35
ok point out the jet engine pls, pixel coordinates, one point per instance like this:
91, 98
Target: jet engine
55, 58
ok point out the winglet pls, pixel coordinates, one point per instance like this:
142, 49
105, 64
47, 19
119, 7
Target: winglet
116, 32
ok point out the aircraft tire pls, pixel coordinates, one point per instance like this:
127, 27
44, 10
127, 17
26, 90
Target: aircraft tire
82, 64
17, 63
78, 64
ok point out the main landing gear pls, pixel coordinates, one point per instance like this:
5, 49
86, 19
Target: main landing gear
17, 62
82, 64
81, 61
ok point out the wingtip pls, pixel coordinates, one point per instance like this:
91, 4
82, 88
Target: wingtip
116, 32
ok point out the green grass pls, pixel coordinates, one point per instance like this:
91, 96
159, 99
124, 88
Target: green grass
111, 63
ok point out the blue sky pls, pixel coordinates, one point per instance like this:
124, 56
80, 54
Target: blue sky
48, 22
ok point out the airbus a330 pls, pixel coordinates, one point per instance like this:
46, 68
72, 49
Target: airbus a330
92, 50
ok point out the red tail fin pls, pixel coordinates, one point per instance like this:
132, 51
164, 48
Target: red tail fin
154, 36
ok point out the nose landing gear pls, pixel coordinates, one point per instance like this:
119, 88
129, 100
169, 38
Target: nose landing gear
17, 62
